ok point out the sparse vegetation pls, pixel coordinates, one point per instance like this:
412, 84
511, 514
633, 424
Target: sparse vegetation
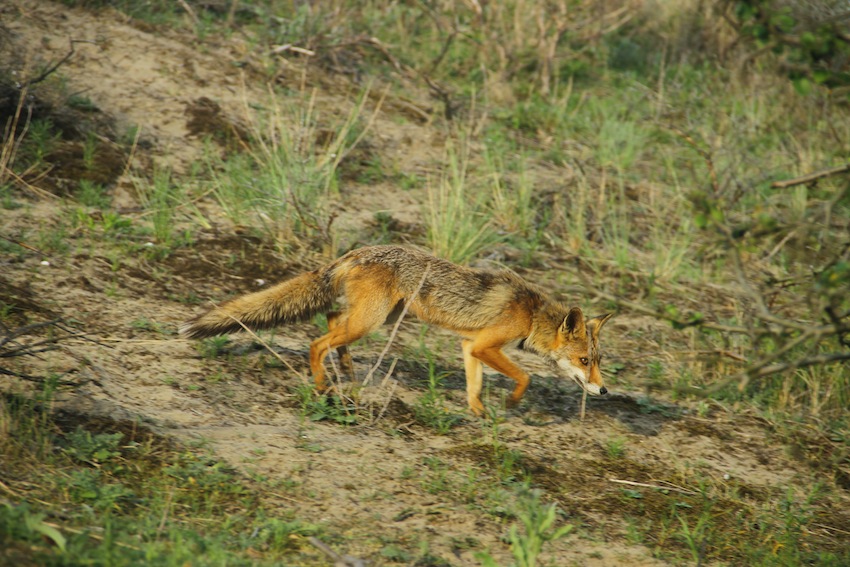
683, 163
538, 528
431, 409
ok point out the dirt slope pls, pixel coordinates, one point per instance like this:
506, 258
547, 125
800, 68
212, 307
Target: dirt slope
378, 481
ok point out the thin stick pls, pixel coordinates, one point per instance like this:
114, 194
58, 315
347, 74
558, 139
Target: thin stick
6, 487
339, 560
831, 528
189, 11
655, 486
583, 404
165, 513
810, 177
390, 397
265, 345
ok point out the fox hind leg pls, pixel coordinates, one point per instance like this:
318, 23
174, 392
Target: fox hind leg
344, 356
365, 314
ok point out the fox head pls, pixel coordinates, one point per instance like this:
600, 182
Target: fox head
577, 350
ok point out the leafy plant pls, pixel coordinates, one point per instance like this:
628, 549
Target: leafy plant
321, 407
615, 447
809, 38
91, 194
538, 523
18, 522
95, 449
91, 487
212, 347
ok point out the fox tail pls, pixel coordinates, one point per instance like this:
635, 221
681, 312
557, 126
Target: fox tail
293, 300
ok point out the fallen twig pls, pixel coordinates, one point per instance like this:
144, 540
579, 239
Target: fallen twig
339, 560
583, 404
811, 177
265, 345
52, 69
653, 486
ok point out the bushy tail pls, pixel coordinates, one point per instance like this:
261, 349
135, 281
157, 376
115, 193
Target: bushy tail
294, 300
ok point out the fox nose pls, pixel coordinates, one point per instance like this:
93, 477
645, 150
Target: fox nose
603, 390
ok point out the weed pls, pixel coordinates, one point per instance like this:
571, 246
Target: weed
321, 407
372, 171
615, 448
101, 450
278, 535
19, 524
538, 522
458, 227
217, 377
53, 240
430, 409
511, 201
42, 138
384, 222
212, 347
284, 183
92, 488
506, 459
160, 197
89, 151
695, 536
437, 481
82, 102
148, 325
7, 198
396, 554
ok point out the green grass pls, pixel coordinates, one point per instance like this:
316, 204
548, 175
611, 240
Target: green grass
128, 497
430, 409
286, 181
161, 197
459, 227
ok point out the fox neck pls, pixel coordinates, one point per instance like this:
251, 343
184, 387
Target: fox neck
544, 326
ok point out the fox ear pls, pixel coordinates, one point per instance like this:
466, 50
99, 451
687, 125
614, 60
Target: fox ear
573, 325
595, 323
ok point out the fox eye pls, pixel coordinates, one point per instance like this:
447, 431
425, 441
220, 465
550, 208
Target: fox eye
583, 361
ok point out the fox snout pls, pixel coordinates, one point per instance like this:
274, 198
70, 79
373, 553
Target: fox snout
593, 389
589, 379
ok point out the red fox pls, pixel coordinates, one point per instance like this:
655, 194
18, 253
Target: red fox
489, 309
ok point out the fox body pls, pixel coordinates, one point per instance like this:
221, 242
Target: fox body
489, 309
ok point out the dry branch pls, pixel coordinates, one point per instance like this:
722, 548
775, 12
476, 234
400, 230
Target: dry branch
654, 486
339, 560
808, 178
264, 345
55, 66
11, 345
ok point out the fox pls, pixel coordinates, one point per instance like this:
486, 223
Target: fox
370, 286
